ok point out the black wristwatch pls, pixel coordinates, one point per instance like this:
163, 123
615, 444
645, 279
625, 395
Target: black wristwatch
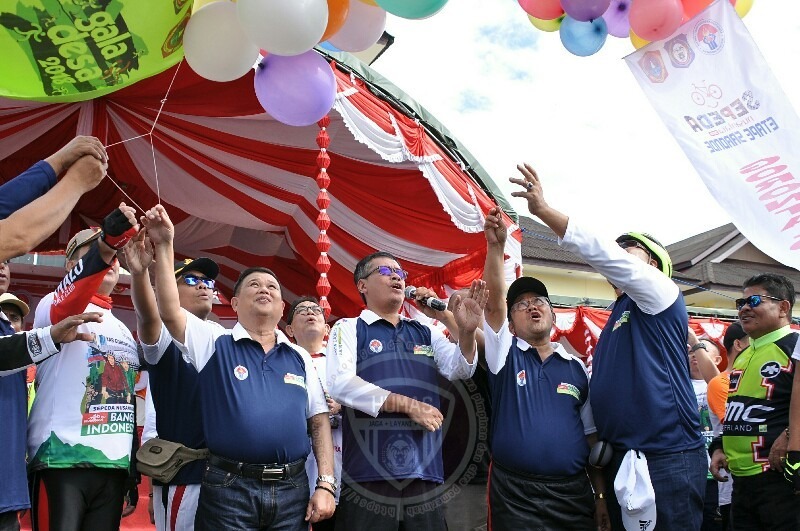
698, 346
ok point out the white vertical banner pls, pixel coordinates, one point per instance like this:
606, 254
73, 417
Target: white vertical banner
715, 92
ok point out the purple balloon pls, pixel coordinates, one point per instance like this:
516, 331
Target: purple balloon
616, 17
585, 10
298, 90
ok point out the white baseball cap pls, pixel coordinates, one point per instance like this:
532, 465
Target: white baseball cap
635, 494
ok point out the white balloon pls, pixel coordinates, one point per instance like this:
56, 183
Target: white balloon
215, 45
362, 28
283, 27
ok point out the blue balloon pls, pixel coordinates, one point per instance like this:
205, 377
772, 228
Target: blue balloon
413, 9
326, 45
583, 38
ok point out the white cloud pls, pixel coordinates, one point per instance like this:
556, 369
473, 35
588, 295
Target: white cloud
511, 93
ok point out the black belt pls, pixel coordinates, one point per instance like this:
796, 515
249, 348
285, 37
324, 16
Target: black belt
272, 472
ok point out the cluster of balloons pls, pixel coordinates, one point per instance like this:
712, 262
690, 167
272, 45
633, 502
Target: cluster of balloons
294, 84
584, 25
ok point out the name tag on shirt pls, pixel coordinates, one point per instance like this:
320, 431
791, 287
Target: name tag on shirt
423, 350
294, 379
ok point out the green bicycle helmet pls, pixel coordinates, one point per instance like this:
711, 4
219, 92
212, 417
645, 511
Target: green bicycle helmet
654, 247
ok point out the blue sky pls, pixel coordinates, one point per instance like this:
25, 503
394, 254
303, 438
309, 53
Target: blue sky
511, 93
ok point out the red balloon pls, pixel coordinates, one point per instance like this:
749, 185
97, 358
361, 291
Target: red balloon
654, 20
693, 7
542, 9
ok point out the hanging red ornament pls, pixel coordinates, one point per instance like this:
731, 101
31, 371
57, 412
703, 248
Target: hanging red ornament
323, 220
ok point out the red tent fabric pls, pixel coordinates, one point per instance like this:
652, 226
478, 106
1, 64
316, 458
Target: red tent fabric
241, 186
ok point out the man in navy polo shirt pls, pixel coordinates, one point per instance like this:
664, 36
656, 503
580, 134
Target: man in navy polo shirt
173, 396
384, 368
257, 392
541, 426
642, 396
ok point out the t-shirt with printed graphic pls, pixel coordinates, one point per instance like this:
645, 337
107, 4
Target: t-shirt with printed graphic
77, 418
706, 429
758, 401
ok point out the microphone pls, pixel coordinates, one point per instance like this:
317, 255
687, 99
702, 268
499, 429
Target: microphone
430, 302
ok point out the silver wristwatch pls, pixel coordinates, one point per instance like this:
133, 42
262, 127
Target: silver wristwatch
328, 479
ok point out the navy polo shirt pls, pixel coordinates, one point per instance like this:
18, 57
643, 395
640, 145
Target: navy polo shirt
369, 358
640, 378
540, 410
175, 391
254, 405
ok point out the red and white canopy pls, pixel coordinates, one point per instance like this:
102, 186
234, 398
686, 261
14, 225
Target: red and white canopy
241, 186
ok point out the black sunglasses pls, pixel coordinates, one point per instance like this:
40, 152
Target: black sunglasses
754, 300
192, 280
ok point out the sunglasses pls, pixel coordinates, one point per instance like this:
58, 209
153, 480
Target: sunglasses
754, 300
389, 271
538, 302
192, 280
308, 310
627, 244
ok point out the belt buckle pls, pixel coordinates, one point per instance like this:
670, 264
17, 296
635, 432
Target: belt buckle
271, 474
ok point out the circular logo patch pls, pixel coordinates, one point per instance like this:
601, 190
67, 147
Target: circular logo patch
708, 37
375, 346
399, 454
770, 369
240, 372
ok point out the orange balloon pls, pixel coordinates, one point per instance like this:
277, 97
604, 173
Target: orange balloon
337, 13
370, 2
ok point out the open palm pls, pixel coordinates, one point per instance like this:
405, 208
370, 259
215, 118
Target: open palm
468, 311
138, 253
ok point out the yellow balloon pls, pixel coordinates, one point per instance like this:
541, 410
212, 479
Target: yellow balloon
200, 3
743, 7
370, 2
637, 41
546, 25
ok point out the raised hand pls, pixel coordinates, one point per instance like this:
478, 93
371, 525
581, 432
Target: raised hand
138, 253
494, 228
533, 192
119, 226
86, 173
468, 311
159, 227
66, 331
76, 148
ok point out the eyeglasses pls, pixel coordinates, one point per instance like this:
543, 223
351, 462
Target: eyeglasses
308, 310
627, 244
389, 271
754, 300
538, 302
192, 280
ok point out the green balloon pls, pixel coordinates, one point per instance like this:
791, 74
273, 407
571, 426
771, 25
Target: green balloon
413, 9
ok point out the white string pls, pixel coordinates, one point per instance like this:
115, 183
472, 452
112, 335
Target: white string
152, 146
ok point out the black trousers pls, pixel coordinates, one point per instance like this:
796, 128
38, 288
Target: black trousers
539, 503
381, 506
9, 521
766, 502
78, 499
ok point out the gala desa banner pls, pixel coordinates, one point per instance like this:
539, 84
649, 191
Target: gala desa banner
716, 94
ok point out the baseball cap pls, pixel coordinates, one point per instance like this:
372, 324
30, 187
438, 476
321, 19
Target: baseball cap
207, 266
81, 238
732, 333
635, 494
7, 298
524, 285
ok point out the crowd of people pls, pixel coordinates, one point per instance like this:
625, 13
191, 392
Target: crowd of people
356, 426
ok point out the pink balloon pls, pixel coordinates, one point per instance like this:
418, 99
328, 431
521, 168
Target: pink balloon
654, 20
543, 9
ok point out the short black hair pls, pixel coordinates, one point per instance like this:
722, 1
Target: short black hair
296, 303
363, 267
733, 332
777, 286
249, 271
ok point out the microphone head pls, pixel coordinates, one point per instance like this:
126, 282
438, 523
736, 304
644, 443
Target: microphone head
410, 290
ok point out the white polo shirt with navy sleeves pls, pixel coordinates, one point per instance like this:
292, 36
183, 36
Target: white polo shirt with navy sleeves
255, 404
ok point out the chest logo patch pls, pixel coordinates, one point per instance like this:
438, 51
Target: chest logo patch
375, 346
423, 350
521, 378
622, 320
770, 369
241, 372
294, 379
568, 389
